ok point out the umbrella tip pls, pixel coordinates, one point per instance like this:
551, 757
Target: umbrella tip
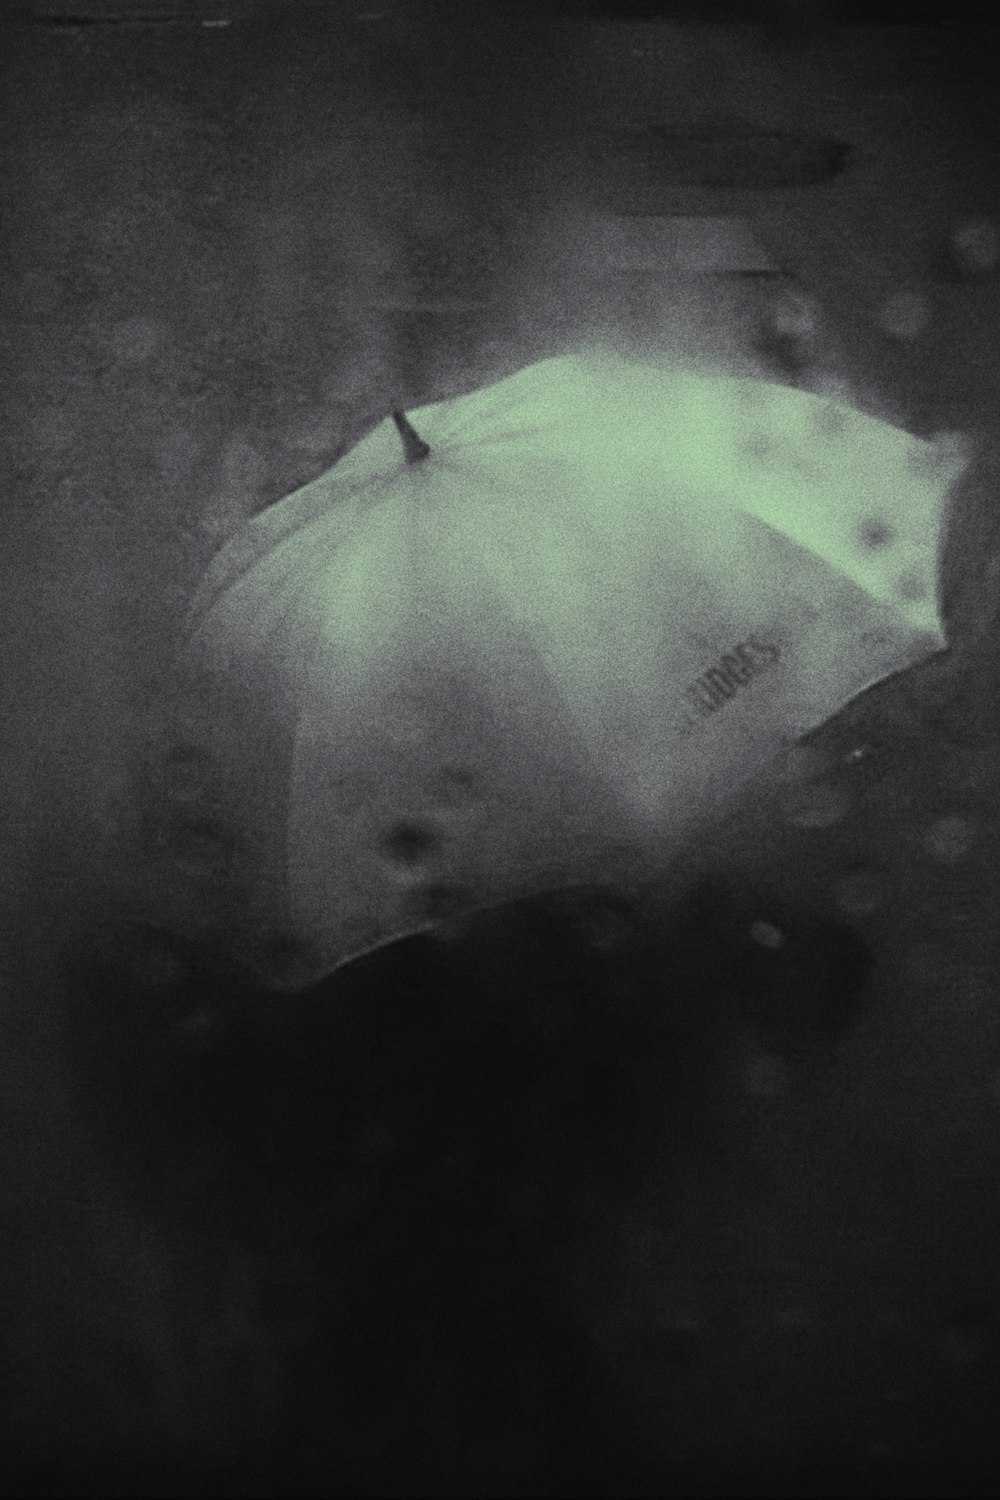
413, 444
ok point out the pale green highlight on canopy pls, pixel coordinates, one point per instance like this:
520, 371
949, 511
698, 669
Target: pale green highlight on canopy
568, 554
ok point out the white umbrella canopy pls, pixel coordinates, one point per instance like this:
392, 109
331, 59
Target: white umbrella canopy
548, 638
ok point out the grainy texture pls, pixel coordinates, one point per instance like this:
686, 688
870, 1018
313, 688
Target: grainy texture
438, 1198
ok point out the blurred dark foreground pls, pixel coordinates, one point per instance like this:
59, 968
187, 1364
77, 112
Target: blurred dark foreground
383, 1204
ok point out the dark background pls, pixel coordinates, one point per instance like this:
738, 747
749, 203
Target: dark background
584, 1203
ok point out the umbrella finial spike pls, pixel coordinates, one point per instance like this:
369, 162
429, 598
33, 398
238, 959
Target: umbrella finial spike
413, 444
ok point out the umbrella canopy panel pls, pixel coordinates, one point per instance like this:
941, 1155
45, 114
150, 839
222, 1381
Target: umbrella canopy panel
581, 624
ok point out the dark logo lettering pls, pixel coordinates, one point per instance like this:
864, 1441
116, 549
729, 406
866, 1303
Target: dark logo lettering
721, 682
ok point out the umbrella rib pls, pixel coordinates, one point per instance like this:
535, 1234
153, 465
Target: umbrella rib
415, 449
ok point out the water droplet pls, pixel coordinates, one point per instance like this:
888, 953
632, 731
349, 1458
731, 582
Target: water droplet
905, 315
913, 585
875, 532
860, 893
409, 844
949, 838
819, 806
757, 446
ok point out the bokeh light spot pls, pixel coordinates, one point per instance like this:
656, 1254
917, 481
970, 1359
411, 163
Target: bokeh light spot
949, 838
905, 315
975, 245
767, 935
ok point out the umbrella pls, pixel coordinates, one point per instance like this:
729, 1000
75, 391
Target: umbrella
539, 633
